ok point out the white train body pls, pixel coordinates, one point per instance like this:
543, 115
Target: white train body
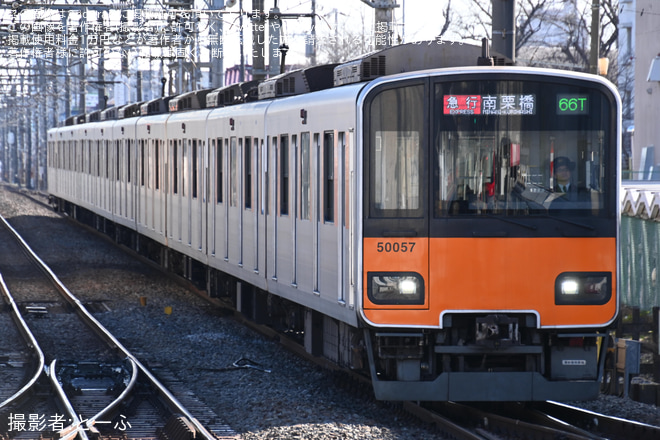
208, 184
384, 222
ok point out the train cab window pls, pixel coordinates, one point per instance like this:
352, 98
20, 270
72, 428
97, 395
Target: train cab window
395, 164
284, 175
329, 177
247, 161
305, 169
508, 148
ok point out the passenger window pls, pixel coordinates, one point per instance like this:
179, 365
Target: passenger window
248, 172
328, 177
128, 161
194, 169
218, 170
233, 172
305, 187
284, 175
157, 164
142, 164
175, 167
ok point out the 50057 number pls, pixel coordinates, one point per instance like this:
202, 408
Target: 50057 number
405, 246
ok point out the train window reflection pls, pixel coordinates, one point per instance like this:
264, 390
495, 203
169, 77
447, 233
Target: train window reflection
519, 173
396, 175
396, 153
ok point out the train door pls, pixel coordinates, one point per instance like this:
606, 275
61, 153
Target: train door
233, 207
304, 226
271, 233
284, 211
316, 213
240, 196
197, 195
250, 237
294, 208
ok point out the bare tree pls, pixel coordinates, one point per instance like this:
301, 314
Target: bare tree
549, 32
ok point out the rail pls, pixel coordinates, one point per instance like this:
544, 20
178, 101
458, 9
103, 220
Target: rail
29, 339
106, 336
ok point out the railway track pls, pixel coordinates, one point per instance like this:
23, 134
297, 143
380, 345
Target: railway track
502, 422
70, 378
539, 421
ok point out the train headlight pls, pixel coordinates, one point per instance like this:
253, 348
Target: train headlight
396, 288
589, 288
570, 287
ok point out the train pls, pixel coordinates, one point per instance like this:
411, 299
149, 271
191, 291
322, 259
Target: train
399, 214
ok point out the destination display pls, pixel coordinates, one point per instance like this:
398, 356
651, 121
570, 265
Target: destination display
489, 104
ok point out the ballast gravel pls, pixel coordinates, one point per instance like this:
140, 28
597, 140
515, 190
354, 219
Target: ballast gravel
167, 327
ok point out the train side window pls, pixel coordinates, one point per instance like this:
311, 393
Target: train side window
294, 185
98, 158
194, 169
233, 172
218, 170
343, 184
247, 161
185, 166
117, 159
157, 164
329, 177
142, 158
128, 160
273, 151
175, 166
305, 186
284, 175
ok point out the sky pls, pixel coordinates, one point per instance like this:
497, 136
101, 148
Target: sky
414, 20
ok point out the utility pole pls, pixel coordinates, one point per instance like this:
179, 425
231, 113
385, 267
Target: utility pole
313, 51
217, 65
595, 37
275, 37
258, 40
504, 28
275, 18
383, 23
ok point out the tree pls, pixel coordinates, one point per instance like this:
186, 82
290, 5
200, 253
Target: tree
551, 33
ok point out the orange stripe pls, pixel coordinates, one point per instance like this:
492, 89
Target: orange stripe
494, 274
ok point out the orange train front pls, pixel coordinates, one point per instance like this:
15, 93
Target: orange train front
489, 233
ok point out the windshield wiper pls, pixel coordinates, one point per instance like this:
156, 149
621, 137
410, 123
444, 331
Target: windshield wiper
570, 222
513, 222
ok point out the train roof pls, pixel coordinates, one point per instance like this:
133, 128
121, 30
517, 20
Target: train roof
296, 82
393, 60
155, 106
194, 100
233, 94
